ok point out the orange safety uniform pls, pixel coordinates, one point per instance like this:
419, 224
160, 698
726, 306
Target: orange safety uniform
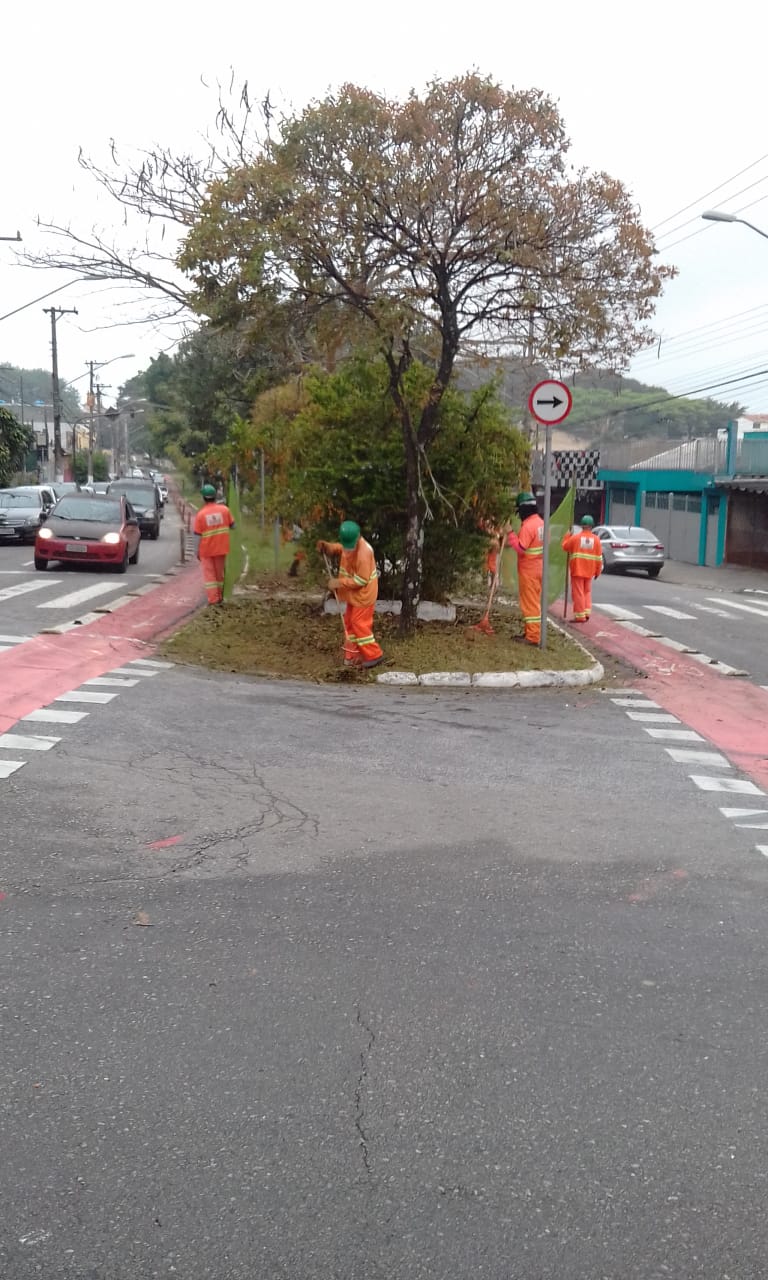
212, 525
358, 589
586, 552
529, 545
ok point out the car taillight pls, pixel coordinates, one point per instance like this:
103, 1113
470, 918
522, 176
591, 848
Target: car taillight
659, 546
621, 545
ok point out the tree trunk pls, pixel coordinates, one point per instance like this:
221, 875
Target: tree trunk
414, 536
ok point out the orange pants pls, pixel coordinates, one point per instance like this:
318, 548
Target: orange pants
581, 590
530, 604
359, 644
213, 577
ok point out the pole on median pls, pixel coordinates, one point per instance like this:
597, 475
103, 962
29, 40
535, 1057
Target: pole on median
547, 514
550, 402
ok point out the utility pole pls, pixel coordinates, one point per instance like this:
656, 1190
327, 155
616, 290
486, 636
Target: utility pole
58, 452
16, 237
91, 403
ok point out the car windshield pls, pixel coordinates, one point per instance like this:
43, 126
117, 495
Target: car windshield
91, 510
138, 497
19, 500
633, 533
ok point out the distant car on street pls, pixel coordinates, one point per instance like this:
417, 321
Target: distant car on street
62, 487
144, 497
23, 510
630, 547
86, 529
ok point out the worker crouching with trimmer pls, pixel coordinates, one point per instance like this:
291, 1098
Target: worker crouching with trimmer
357, 586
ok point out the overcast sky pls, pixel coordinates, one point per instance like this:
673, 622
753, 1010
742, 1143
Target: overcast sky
656, 94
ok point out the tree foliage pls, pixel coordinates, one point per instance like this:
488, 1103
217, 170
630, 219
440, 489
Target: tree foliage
428, 225
15, 442
608, 408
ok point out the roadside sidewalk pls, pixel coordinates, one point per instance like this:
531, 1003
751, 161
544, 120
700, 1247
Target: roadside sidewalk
729, 578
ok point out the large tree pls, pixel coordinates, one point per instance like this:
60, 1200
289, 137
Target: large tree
444, 223
15, 440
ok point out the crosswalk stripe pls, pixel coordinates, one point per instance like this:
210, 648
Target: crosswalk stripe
644, 704
753, 826
85, 695
653, 717
134, 671
23, 588
14, 639
718, 613
116, 683
616, 611
7, 767
79, 597
738, 786
674, 735
736, 604
151, 662
670, 613
688, 755
48, 715
28, 742
742, 813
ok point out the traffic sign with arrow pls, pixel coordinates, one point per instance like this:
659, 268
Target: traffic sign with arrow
550, 402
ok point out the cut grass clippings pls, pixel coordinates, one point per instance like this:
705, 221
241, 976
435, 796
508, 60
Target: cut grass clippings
294, 639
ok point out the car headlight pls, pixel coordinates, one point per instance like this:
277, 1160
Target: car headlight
44, 533
111, 538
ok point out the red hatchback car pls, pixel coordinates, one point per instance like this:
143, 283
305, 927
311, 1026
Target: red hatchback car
89, 529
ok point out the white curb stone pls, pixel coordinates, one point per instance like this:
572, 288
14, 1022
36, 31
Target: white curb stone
398, 677
496, 679
450, 678
426, 610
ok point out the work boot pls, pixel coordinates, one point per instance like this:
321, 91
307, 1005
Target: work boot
372, 662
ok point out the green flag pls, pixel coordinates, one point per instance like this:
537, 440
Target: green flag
560, 522
234, 567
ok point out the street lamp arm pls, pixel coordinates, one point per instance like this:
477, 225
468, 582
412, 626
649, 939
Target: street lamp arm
719, 215
752, 227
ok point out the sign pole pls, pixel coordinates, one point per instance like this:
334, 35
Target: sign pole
547, 512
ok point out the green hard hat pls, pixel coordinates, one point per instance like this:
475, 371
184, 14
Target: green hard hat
208, 491
349, 534
523, 498
587, 521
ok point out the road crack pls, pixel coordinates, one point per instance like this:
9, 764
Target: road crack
360, 1088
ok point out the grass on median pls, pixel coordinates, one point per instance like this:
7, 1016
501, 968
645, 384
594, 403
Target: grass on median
292, 638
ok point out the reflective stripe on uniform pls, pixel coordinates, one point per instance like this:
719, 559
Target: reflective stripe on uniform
533, 618
585, 555
532, 551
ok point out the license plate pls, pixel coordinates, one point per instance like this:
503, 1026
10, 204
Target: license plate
75, 546
6, 532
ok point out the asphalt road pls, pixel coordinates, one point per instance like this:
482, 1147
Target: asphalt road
310, 983
30, 602
731, 627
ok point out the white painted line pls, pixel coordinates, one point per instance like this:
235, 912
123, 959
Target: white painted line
108, 680
755, 591
644, 703
616, 611
674, 735
144, 672
676, 645
7, 767
670, 613
753, 826
150, 662
74, 598
723, 669
14, 639
688, 755
704, 657
51, 716
5, 648
742, 813
27, 564
734, 604
637, 629
718, 613
23, 588
738, 786
83, 695
653, 717
13, 573
762, 848
27, 742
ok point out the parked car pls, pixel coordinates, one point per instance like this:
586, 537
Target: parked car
630, 547
63, 487
145, 500
23, 510
96, 486
86, 529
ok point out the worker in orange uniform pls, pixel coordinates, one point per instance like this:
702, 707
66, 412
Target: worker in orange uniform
212, 525
357, 586
586, 563
529, 545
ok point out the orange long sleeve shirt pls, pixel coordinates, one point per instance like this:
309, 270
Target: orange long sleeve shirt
357, 572
586, 552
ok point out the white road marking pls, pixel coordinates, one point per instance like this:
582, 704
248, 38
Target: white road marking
653, 717
637, 629
687, 755
674, 735
718, 613
676, 645
617, 612
762, 848
27, 564
83, 695
14, 639
7, 767
739, 786
108, 680
753, 826
151, 662
80, 597
670, 613
742, 813
27, 742
747, 608
644, 703
23, 588
13, 573
51, 716
134, 671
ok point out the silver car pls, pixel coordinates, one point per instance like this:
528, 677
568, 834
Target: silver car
630, 547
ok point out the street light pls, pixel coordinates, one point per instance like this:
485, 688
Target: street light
716, 215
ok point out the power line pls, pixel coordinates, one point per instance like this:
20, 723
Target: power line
708, 227
665, 399
684, 333
707, 194
733, 196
